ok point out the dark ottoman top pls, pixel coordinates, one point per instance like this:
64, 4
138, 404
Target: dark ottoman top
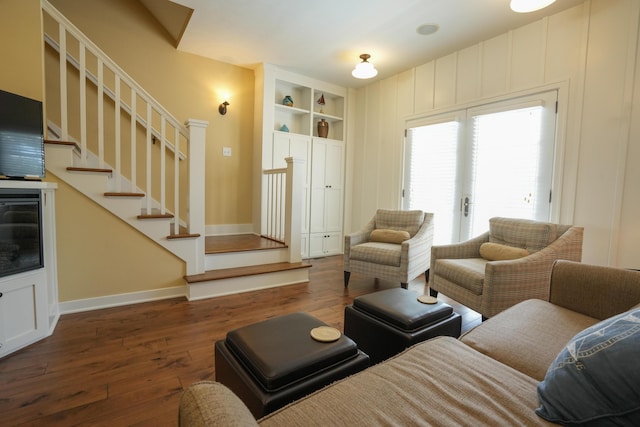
280, 350
401, 308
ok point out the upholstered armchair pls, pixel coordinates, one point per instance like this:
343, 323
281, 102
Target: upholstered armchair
509, 263
394, 245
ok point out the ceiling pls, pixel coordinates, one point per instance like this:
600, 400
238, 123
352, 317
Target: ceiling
324, 39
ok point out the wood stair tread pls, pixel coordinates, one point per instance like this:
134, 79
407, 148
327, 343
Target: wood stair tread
252, 270
182, 236
76, 169
154, 216
123, 194
56, 142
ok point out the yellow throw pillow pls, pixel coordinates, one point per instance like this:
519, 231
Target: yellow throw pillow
496, 252
389, 236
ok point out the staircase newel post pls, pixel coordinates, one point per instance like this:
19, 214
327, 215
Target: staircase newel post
293, 212
195, 213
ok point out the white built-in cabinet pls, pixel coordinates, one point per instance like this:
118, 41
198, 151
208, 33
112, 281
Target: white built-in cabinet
29, 300
292, 131
327, 194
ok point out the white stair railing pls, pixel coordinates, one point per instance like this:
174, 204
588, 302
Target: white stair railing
283, 203
118, 99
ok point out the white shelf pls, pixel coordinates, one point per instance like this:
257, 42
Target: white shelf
291, 110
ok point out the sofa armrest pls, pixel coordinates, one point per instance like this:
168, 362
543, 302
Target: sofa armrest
595, 291
504, 286
209, 403
466, 249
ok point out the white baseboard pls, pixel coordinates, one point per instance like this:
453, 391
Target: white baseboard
97, 303
225, 229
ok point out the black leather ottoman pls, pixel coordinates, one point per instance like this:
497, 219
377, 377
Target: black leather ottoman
274, 362
387, 322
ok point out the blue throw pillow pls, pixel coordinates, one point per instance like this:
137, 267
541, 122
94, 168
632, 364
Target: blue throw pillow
596, 378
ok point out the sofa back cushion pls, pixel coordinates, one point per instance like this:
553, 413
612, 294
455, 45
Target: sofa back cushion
522, 233
409, 221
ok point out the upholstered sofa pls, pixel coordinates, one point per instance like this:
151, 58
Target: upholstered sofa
496, 374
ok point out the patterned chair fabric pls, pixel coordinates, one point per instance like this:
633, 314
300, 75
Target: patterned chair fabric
395, 262
489, 287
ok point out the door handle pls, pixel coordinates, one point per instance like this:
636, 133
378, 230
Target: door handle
466, 206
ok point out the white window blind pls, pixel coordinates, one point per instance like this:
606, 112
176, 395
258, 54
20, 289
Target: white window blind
433, 169
505, 166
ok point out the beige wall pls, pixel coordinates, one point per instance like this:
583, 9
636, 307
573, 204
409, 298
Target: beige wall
189, 86
99, 255
109, 259
21, 48
590, 53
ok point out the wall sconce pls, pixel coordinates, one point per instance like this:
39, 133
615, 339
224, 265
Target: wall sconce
222, 109
365, 69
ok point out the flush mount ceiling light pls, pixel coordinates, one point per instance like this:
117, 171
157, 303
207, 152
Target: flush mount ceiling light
365, 69
524, 6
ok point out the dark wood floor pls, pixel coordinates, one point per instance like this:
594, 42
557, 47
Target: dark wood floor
127, 366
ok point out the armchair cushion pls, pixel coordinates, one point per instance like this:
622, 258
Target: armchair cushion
378, 253
527, 234
389, 236
595, 377
497, 252
399, 220
466, 272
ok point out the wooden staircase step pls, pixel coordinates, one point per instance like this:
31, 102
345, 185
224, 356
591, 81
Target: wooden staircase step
154, 216
182, 236
253, 270
54, 142
99, 170
123, 194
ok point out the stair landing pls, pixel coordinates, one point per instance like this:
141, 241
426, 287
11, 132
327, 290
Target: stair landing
239, 243
224, 281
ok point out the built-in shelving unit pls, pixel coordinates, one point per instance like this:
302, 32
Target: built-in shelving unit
322, 224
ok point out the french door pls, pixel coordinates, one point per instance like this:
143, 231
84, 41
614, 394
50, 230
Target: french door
491, 160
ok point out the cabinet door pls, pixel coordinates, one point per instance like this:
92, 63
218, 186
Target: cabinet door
280, 150
23, 310
333, 243
334, 158
333, 209
326, 185
316, 245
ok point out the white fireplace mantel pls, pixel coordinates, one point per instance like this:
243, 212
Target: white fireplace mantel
29, 300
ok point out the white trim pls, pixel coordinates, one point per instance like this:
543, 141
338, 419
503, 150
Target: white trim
117, 300
227, 229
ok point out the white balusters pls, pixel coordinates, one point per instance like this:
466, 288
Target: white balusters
64, 125
100, 114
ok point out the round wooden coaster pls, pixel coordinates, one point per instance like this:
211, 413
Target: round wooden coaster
325, 334
426, 299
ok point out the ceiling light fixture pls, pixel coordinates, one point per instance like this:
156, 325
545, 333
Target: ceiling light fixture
525, 6
365, 69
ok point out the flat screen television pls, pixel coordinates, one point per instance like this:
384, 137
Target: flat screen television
21, 137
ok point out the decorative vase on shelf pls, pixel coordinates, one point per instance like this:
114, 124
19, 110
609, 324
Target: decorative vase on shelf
323, 128
284, 128
288, 101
